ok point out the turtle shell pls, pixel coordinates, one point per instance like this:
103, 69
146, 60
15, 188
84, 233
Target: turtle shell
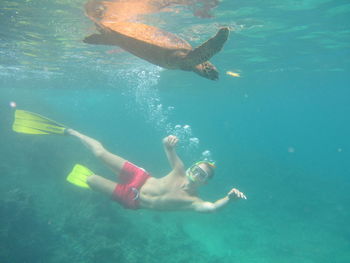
145, 33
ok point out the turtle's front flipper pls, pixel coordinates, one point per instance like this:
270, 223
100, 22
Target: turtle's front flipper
95, 39
208, 49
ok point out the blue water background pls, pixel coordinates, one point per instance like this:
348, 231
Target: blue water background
279, 133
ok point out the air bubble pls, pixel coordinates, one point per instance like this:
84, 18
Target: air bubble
13, 104
194, 140
206, 154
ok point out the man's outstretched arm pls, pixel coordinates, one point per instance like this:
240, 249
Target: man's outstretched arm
206, 207
169, 144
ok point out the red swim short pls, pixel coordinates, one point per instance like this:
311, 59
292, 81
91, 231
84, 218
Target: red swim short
127, 191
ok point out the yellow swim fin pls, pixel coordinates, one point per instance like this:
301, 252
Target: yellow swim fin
79, 175
32, 123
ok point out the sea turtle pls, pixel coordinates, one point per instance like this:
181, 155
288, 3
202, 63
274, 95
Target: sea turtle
160, 47
117, 24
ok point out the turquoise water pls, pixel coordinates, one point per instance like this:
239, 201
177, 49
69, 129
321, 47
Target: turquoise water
279, 133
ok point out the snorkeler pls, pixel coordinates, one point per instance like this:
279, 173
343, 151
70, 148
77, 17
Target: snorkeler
136, 189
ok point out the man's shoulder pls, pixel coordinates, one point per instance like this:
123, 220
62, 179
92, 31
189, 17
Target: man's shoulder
174, 176
177, 173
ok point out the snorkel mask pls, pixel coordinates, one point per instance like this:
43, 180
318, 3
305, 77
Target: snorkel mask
196, 173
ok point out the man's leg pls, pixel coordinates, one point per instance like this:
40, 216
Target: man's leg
113, 161
102, 185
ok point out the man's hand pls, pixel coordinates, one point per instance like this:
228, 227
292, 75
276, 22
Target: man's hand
202, 206
235, 194
170, 141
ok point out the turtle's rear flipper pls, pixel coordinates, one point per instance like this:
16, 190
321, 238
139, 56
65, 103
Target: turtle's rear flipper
95, 39
208, 49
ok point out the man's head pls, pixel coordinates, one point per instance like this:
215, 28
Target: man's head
201, 172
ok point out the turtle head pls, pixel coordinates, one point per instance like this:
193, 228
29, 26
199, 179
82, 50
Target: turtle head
95, 10
207, 70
